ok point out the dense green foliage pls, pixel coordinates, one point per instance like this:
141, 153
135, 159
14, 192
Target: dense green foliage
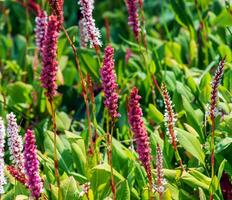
185, 39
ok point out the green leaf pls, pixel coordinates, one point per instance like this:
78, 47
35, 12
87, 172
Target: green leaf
193, 182
100, 180
221, 168
63, 121
192, 118
62, 153
69, 189
123, 191
191, 144
19, 92
201, 194
79, 158
155, 114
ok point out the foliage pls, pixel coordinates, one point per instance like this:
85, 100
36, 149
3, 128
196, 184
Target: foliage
185, 41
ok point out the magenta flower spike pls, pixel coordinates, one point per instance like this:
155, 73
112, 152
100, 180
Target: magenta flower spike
133, 17
93, 33
109, 84
40, 31
32, 165
15, 143
140, 133
49, 61
2, 151
57, 10
215, 84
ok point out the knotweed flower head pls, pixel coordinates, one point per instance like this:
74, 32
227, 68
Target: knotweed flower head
215, 84
83, 33
93, 33
169, 117
49, 62
109, 84
2, 144
140, 133
32, 165
133, 17
15, 143
40, 31
19, 176
160, 182
57, 10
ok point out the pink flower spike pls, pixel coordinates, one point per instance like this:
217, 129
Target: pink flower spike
140, 133
49, 62
109, 84
215, 84
40, 31
83, 33
32, 165
15, 143
93, 33
57, 10
133, 17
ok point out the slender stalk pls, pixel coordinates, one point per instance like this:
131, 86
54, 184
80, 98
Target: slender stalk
178, 156
91, 148
109, 153
151, 196
160, 196
84, 93
212, 154
56, 166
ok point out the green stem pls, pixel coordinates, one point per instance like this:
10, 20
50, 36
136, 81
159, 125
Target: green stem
56, 167
212, 155
109, 154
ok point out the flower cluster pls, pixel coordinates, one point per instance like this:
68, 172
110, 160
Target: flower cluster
160, 183
2, 144
215, 84
93, 33
32, 165
133, 17
140, 133
40, 31
57, 10
15, 143
50, 64
83, 33
109, 84
17, 175
169, 117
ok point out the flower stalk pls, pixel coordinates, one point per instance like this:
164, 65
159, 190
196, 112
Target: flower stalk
170, 120
213, 103
110, 87
48, 77
140, 134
